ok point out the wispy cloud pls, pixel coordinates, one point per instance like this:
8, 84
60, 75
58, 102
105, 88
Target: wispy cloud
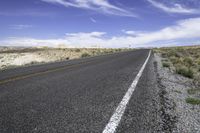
185, 29
133, 33
32, 13
175, 8
101, 6
93, 20
19, 27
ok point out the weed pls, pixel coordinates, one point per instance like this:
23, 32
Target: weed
193, 91
166, 60
185, 71
164, 55
166, 64
85, 55
188, 61
77, 50
193, 101
177, 91
175, 60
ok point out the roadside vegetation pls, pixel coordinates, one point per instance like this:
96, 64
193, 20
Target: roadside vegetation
184, 61
193, 101
13, 56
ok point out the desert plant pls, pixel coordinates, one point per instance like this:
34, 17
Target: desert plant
193, 91
164, 55
175, 60
185, 71
193, 101
85, 55
188, 61
165, 64
77, 50
198, 61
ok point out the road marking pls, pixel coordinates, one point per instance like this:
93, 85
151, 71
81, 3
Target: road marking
42, 72
116, 117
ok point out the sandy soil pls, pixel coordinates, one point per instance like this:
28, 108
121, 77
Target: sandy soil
15, 57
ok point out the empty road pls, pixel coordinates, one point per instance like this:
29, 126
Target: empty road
80, 96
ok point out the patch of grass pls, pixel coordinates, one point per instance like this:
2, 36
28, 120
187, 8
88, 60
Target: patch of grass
177, 91
175, 60
165, 60
77, 50
198, 61
193, 101
85, 55
185, 71
193, 91
188, 61
164, 55
166, 64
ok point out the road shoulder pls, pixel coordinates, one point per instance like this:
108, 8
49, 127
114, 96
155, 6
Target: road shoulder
184, 117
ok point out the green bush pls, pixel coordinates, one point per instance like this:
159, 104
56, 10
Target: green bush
164, 55
188, 61
85, 55
193, 101
198, 62
185, 71
175, 60
166, 64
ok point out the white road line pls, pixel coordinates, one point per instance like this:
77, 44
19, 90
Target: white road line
116, 117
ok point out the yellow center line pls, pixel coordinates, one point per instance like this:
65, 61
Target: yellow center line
15, 78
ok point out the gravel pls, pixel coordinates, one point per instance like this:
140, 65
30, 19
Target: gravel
181, 116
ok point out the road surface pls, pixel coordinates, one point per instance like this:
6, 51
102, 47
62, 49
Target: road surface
79, 96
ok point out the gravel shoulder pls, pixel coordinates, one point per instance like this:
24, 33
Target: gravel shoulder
181, 117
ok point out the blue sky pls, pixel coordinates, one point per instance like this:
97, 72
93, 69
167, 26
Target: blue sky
99, 23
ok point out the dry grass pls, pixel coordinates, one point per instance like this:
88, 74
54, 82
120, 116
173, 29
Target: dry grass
185, 60
28, 56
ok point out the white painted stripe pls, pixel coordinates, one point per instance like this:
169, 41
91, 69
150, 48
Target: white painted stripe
116, 117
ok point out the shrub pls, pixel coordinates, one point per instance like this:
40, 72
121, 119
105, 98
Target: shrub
77, 50
193, 101
185, 71
193, 91
198, 62
166, 64
174, 53
85, 55
165, 60
188, 61
164, 55
175, 60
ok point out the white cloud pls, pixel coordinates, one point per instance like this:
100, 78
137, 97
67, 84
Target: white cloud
176, 8
101, 6
185, 29
24, 12
83, 35
133, 33
19, 27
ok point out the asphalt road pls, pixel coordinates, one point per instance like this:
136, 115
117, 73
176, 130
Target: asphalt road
78, 96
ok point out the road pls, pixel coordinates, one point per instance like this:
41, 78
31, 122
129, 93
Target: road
79, 95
